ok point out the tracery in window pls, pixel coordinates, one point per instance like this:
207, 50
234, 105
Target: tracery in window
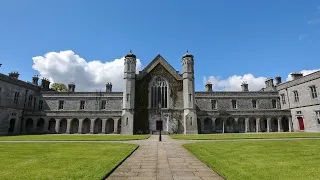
159, 93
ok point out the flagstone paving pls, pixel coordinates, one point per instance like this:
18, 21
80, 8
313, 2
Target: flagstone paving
165, 160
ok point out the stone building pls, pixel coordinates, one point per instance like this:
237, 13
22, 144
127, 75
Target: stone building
157, 94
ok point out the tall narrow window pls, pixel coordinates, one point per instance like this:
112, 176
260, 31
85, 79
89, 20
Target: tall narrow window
254, 104
318, 116
213, 104
190, 97
159, 93
103, 104
82, 102
274, 103
128, 97
127, 121
234, 104
40, 106
296, 96
191, 121
313, 92
16, 98
61, 103
34, 103
283, 98
30, 100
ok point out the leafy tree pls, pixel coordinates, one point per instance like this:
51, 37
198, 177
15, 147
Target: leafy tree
60, 87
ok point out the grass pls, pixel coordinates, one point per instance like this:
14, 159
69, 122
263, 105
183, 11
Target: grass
74, 137
292, 159
246, 136
60, 160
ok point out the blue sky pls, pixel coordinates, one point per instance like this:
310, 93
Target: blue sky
227, 38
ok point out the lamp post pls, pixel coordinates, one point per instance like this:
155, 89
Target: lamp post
160, 126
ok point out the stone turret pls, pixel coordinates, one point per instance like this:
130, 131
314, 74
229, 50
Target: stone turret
189, 107
45, 84
244, 86
208, 87
35, 80
296, 75
128, 93
278, 80
71, 87
14, 75
109, 87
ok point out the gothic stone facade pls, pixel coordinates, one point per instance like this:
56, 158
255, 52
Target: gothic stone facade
156, 94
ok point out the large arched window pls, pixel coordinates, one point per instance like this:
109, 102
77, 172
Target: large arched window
159, 93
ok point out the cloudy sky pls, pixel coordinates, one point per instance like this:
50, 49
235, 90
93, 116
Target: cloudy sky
232, 42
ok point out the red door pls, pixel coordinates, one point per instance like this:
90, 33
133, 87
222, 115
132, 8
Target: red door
301, 124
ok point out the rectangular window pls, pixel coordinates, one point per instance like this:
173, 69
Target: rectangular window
82, 104
190, 97
254, 104
61, 102
40, 105
213, 104
128, 97
16, 98
283, 99
274, 103
103, 104
34, 103
296, 96
234, 104
318, 116
30, 101
313, 92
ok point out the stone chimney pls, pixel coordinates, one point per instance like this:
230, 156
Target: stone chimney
278, 80
71, 87
35, 79
14, 75
208, 87
296, 75
109, 87
45, 83
269, 83
244, 86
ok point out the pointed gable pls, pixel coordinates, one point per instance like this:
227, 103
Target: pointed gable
159, 60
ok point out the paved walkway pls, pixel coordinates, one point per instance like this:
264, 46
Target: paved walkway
166, 160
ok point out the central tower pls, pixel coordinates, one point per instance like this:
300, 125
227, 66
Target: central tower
128, 94
189, 107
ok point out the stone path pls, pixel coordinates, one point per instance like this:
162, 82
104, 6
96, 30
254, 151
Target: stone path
166, 160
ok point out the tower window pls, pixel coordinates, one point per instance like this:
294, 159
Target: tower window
159, 93
61, 102
213, 104
16, 98
254, 104
82, 102
283, 98
234, 104
296, 96
274, 103
313, 92
103, 104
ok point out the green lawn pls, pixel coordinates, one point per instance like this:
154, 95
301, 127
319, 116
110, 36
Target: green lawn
60, 160
292, 159
75, 137
246, 136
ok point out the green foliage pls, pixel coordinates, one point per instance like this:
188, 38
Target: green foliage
292, 160
60, 87
60, 160
246, 136
75, 137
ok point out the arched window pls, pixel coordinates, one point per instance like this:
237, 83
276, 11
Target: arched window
159, 93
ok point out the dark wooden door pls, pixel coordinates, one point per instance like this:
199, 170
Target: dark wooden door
301, 124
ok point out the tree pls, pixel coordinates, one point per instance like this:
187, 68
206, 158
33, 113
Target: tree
60, 87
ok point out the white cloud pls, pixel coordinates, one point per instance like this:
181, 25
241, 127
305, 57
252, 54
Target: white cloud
66, 66
304, 72
234, 82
